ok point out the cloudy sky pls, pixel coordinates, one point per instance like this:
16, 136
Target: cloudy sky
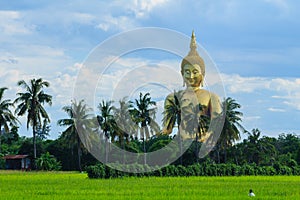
254, 44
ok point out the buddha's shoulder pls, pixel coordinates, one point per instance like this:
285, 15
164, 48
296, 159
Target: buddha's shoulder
208, 93
174, 95
183, 93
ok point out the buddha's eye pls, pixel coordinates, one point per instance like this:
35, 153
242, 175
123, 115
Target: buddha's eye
187, 71
196, 72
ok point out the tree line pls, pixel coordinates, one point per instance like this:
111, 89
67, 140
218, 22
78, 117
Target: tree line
137, 132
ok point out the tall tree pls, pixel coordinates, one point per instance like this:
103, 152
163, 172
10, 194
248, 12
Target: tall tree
78, 116
172, 116
143, 114
107, 123
196, 123
32, 101
43, 130
125, 125
232, 127
7, 118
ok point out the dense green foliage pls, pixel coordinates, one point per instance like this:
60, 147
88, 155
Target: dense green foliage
47, 162
41, 185
203, 169
259, 155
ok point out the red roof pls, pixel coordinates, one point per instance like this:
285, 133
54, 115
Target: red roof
12, 157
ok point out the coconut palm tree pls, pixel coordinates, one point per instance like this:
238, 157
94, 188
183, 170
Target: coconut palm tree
232, 127
196, 122
79, 117
7, 118
143, 114
107, 123
125, 125
172, 116
32, 101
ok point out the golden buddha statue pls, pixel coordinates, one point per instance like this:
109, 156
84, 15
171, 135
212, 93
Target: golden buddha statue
193, 96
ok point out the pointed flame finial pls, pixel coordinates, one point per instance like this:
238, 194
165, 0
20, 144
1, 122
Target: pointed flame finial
193, 44
193, 56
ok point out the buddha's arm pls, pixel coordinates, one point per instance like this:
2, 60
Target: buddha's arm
215, 106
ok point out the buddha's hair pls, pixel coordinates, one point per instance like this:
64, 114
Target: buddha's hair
193, 57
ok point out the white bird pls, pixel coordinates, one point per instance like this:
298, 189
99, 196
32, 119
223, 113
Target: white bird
251, 194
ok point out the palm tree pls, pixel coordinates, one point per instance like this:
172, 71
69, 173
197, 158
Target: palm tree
107, 123
6, 116
172, 116
32, 101
231, 129
144, 115
253, 147
125, 126
195, 122
78, 116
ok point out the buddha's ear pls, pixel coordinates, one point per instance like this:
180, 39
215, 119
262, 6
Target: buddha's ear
183, 84
202, 80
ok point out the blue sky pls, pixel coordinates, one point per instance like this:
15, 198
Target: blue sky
255, 45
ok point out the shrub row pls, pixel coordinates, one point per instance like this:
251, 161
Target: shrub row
205, 169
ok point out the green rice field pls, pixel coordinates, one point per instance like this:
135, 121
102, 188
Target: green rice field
72, 185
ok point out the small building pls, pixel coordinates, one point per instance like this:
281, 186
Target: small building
17, 162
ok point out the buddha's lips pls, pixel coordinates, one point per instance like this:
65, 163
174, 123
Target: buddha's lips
190, 81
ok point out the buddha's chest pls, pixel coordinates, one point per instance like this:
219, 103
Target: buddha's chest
201, 97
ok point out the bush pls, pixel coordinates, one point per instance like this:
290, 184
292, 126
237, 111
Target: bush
2, 162
204, 169
48, 162
248, 170
270, 171
197, 170
96, 171
182, 171
285, 170
190, 170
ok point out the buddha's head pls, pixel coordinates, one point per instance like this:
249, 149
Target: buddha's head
192, 66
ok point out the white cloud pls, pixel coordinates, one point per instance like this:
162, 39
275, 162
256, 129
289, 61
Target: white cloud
30, 59
251, 118
103, 26
129, 76
76, 67
11, 23
142, 8
286, 89
124, 21
83, 18
116, 23
276, 110
8, 58
237, 84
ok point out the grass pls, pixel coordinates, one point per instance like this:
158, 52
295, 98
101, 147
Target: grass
72, 185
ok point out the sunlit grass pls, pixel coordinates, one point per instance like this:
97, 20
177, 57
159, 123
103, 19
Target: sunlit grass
73, 185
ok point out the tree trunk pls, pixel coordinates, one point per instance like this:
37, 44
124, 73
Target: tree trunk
225, 155
79, 154
106, 149
34, 142
197, 148
218, 154
0, 138
123, 147
180, 145
144, 145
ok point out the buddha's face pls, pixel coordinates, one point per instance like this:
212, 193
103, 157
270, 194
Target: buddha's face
192, 75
